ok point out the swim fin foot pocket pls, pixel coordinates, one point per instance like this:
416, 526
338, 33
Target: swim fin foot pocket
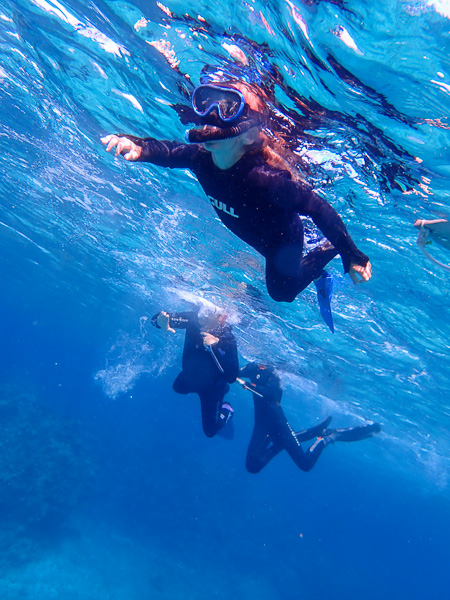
352, 434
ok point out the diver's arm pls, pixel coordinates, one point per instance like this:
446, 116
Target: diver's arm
331, 225
171, 321
440, 226
300, 197
224, 348
269, 389
163, 153
227, 354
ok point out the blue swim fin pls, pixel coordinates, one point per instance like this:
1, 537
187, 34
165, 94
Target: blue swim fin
324, 287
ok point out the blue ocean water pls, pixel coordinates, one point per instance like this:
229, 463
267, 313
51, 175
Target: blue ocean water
109, 489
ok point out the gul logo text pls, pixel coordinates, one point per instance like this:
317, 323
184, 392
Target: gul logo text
223, 207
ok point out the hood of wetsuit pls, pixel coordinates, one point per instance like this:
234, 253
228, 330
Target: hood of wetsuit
256, 372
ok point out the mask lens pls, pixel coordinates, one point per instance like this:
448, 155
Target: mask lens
228, 102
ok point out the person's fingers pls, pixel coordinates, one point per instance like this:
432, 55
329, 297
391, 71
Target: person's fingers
357, 275
354, 276
366, 272
112, 142
123, 144
106, 138
131, 155
360, 274
363, 276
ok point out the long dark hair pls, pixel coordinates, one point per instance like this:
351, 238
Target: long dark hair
276, 151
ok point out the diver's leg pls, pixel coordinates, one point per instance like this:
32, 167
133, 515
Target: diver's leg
352, 434
311, 455
215, 412
288, 272
182, 385
274, 434
305, 460
313, 432
313, 263
264, 443
261, 450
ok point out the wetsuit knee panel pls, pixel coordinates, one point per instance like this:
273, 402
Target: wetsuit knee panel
253, 464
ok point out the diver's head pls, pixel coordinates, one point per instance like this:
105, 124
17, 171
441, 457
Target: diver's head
211, 316
256, 372
226, 111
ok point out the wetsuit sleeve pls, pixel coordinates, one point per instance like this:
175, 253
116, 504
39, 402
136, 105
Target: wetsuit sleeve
176, 320
332, 226
227, 354
165, 153
301, 198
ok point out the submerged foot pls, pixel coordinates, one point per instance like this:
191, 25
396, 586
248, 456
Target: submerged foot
226, 415
316, 431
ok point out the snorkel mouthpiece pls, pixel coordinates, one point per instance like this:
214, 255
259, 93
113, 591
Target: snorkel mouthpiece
213, 134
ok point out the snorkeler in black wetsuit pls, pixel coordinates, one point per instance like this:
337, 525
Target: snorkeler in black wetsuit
272, 433
254, 190
209, 363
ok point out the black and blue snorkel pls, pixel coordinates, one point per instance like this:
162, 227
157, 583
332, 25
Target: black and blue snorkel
224, 113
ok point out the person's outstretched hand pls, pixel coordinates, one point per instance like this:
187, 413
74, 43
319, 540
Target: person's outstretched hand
163, 322
360, 274
123, 145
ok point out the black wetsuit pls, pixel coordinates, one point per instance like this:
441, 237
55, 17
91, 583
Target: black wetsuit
206, 372
262, 205
272, 433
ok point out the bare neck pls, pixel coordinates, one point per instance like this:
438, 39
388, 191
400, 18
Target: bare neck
226, 155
